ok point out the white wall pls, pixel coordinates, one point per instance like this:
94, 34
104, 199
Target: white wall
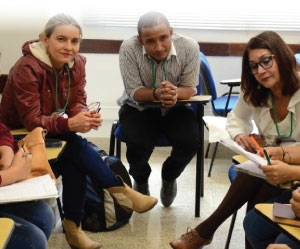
103, 77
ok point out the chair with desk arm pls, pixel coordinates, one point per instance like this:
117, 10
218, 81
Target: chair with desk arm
53, 146
116, 137
221, 105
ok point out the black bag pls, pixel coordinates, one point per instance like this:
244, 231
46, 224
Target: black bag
101, 210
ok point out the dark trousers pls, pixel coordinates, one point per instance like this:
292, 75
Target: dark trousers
142, 130
78, 160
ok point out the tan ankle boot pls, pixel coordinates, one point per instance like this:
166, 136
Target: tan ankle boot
76, 238
132, 200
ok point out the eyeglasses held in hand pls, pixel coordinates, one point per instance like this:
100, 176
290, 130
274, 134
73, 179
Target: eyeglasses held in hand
94, 106
266, 63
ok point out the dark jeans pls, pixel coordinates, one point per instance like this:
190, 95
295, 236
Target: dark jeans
33, 224
142, 130
78, 160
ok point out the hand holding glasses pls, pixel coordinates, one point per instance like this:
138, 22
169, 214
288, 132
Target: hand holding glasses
94, 106
266, 62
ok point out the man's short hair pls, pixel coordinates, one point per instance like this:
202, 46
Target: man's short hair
151, 19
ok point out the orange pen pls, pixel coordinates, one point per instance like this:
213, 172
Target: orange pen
256, 145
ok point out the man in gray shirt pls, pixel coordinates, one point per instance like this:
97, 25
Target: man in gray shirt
158, 68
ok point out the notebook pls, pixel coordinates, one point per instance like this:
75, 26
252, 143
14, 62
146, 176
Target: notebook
250, 168
41, 187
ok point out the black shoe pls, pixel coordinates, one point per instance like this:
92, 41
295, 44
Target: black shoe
142, 188
168, 192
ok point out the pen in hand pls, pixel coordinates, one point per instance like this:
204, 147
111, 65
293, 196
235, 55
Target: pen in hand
257, 146
267, 157
269, 162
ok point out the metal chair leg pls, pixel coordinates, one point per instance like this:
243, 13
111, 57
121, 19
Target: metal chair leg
112, 139
118, 148
61, 213
207, 150
213, 159
233, 218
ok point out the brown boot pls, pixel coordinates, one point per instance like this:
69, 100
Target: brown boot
76, 238
132, 200
190, 240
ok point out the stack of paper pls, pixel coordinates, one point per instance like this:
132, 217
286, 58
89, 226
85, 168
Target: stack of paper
251, 166
240, 150
42, 187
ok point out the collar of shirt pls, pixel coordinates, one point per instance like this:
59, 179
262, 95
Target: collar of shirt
172, 52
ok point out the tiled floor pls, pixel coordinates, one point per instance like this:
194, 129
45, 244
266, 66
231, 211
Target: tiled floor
155, 229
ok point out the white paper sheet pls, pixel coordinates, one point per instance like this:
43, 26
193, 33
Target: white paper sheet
42, 187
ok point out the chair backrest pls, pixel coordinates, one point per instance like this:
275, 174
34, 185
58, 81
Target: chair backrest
206, 78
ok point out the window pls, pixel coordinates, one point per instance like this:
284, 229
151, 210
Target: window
190, 14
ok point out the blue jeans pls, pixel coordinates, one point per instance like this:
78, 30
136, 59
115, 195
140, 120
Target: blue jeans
142, 129
260, 232
78, 160
33, 224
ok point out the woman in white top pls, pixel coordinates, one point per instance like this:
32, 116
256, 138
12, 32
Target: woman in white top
270, 96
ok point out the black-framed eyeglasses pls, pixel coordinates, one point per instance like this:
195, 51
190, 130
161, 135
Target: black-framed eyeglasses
266, 62
94, 106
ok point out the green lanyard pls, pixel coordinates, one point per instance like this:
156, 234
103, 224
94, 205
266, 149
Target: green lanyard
275, 121
154, 72
62, 110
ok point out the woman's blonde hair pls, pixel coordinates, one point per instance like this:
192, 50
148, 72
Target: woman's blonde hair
57, 20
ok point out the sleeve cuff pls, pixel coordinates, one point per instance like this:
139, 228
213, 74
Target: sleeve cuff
63, 125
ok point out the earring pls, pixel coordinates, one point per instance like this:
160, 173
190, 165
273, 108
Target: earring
258, 87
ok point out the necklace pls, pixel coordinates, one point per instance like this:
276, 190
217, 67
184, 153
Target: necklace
62, 110
275, 121
154, 72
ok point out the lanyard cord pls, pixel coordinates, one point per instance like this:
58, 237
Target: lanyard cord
275, 121
154, 72
60, 110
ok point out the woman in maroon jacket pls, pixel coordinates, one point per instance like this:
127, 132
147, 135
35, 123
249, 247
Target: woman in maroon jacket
46, 88
34, 218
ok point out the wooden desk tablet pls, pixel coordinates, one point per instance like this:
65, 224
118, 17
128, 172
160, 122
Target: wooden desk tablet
266, 211
6, 228
239, 159
52, 152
